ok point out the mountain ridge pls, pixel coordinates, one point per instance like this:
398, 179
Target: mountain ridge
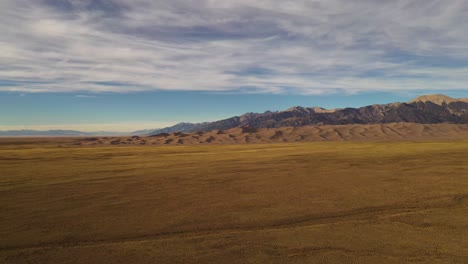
56, 133
439, 99
425, 109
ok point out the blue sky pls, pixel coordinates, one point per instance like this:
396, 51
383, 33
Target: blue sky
127, 65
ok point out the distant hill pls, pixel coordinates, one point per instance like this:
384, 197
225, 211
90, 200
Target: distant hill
439, 99
55, 133
180, 127
427, 109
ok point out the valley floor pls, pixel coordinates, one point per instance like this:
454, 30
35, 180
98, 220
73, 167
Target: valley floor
329, 202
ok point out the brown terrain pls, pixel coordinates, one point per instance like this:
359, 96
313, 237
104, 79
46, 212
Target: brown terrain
241, 135
310, 202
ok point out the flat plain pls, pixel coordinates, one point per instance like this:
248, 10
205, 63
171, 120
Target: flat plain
305, 202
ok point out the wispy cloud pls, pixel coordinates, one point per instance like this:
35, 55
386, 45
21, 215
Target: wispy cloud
309, 47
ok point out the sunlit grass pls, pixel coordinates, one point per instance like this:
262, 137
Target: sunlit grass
271, 203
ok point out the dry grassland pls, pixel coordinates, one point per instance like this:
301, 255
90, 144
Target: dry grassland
333, 202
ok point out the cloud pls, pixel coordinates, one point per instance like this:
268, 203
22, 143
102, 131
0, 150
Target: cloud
307, 47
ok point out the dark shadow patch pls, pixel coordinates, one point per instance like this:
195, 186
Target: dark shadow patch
249, 129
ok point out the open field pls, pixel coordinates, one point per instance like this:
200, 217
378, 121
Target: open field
329, 202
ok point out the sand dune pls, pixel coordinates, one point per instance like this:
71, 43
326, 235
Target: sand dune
242, 135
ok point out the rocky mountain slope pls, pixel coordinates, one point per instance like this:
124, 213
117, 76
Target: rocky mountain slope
427, 109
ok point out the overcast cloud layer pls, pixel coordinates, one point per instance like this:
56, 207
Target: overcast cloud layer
308, 47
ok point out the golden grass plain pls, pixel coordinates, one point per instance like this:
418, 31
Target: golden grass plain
322, 202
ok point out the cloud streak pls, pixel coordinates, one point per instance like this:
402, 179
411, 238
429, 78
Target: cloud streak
306, 47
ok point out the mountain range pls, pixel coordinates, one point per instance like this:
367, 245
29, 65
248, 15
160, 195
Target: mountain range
55, 133
426, 109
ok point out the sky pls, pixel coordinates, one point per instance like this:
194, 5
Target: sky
126, 65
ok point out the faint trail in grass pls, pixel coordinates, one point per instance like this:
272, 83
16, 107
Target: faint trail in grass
357, 215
